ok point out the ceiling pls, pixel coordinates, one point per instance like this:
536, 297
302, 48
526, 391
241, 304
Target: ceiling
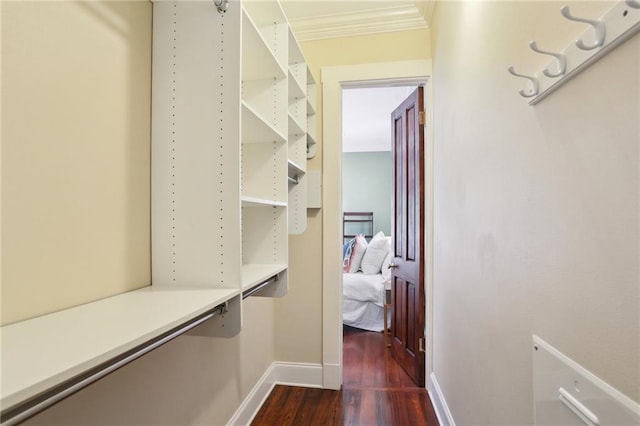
319, 19
366, 117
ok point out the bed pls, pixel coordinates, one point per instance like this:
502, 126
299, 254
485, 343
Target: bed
365, 279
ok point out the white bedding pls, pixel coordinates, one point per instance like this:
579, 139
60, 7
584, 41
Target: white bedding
363, 300
363, 288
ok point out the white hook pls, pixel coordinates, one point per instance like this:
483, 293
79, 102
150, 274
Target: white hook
535, 87
561, 59
598, 27
634, 4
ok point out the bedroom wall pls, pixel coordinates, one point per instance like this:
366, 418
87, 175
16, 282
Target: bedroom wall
536, 209
367, 185
75, 209
301, 340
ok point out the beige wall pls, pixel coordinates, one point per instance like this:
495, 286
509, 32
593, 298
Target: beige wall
76, 87
536, 209
299, 315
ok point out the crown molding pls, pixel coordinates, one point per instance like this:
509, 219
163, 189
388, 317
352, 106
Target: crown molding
398, 18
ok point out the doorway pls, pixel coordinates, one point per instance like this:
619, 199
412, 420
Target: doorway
368, 198
334, 79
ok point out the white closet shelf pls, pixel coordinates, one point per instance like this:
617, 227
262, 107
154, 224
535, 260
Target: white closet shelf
41, 353
295, 128
296, 90
259, 62
295, 169
311, 108
253, 274
261, 202
255, 129
311, 139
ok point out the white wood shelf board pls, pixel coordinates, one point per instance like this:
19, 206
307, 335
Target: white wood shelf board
43, 352
255, 129
258, 61
295, 51
295, 168
295, 128
253, 274
295, 88
311, 108
310, 78
311, 140
264, 13
261, 202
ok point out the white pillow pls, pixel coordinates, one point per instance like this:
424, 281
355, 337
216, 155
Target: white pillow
358, 253
374, 256
384, 269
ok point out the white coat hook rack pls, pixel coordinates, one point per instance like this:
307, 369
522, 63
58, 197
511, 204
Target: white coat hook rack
533, 91
617, 25
221, 5
560, 59
599, 29
633, 3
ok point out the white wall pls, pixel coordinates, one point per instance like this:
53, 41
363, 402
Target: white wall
367, 187
536, 209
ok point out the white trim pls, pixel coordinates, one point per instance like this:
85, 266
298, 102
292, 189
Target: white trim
332, 376
278, 373
395, 18
333, 80
298, 374
440, 404
253, 402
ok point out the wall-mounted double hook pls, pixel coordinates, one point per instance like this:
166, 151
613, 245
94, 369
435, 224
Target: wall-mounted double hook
535, 85
560, 59
633, 3
598, 27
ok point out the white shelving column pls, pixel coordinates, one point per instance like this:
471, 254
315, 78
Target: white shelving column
195, 150
264, 146
297, 138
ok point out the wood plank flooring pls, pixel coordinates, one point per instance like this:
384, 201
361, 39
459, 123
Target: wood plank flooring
375, 391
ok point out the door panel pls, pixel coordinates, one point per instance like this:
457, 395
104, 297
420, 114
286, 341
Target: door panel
407, 295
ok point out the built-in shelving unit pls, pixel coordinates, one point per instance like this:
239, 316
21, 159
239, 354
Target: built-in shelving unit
230, 112
264, 153
297, 167
312, 133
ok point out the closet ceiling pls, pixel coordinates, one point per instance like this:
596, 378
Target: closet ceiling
318, 19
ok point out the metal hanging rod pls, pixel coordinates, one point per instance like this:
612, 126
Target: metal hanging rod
21, 412
294, 179
274, 279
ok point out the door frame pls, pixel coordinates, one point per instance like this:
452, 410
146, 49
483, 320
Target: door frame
334, 79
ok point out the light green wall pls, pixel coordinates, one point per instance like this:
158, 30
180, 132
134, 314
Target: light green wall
367, 186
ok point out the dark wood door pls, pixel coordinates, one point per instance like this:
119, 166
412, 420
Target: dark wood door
407, 278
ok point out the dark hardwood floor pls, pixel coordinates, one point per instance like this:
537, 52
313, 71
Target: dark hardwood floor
375, 391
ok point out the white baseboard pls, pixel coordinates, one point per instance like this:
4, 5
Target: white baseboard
278, 373
252, 403
440, 404
298, 374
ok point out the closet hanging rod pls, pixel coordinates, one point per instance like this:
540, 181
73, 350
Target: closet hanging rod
294, 179
20, 412
274, 279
